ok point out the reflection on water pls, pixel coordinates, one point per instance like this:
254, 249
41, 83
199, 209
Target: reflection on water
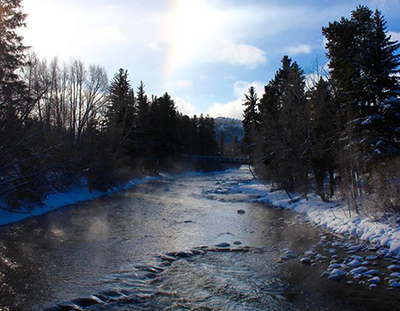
111, 254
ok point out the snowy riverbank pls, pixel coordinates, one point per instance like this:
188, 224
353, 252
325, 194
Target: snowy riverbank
57, 200
328, 215
79, 194
334, 217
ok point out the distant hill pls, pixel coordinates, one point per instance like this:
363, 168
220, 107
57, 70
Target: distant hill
231, 128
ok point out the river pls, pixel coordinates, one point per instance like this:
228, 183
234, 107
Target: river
153, 248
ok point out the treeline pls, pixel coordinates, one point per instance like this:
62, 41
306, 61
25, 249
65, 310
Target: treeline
344, 129
61, 123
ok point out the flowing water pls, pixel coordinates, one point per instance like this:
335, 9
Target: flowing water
153, 248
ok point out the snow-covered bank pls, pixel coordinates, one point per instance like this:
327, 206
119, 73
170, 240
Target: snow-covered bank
57, 200
329, 215
78, 194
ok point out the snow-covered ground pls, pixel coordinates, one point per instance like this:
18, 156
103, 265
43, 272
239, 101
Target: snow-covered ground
59, 199
332, 216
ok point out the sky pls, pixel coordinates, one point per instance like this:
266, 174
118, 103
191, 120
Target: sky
204, 53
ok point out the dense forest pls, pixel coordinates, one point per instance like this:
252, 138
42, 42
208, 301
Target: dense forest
341, 132
61, 123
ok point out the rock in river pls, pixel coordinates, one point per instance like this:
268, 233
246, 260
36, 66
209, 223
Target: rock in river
223, 244
305, 260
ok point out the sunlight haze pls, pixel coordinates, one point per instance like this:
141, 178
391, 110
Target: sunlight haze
196, 50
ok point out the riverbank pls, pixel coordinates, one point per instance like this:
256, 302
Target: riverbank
378, 229
81, 193
71, 196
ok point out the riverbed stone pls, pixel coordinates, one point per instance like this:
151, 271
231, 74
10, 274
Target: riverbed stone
285, 258
69, 306
371, 272
223, 244
358, 270
325, 274
166, 257
241, 212
305, 260
309, 253
291, 254
197, 251
394, 267
339, 272
183, 254
375, 280
321, 257
334, 277
334, 266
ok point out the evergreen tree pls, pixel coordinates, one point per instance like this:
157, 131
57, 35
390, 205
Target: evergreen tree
13, 94
121, 111
164, 128
207, 145
251, 120
364, 63
285, 128
142, 129
323, 135
364, 67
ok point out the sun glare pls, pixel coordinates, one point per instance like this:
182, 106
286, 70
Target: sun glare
192, 26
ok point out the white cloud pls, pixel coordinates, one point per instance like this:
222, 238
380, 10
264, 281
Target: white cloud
234, 109
180, 84
74, 29
299, 49
395, 35
242, 54
185, 107
152, 46
241, 87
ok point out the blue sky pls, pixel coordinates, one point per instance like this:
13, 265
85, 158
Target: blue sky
205, 53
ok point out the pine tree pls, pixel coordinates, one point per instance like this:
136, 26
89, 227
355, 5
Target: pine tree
164, 128
285, 128
251, 120
323, 135
121, 111
363, 66
15, 104
142, 129
364, 63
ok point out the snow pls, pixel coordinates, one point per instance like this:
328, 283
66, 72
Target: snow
81, 193
57, 200
333, 216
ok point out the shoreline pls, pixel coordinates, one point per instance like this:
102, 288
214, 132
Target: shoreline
78, 194
377, 229
372, 229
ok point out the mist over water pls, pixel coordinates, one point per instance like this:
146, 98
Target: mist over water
115, 248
